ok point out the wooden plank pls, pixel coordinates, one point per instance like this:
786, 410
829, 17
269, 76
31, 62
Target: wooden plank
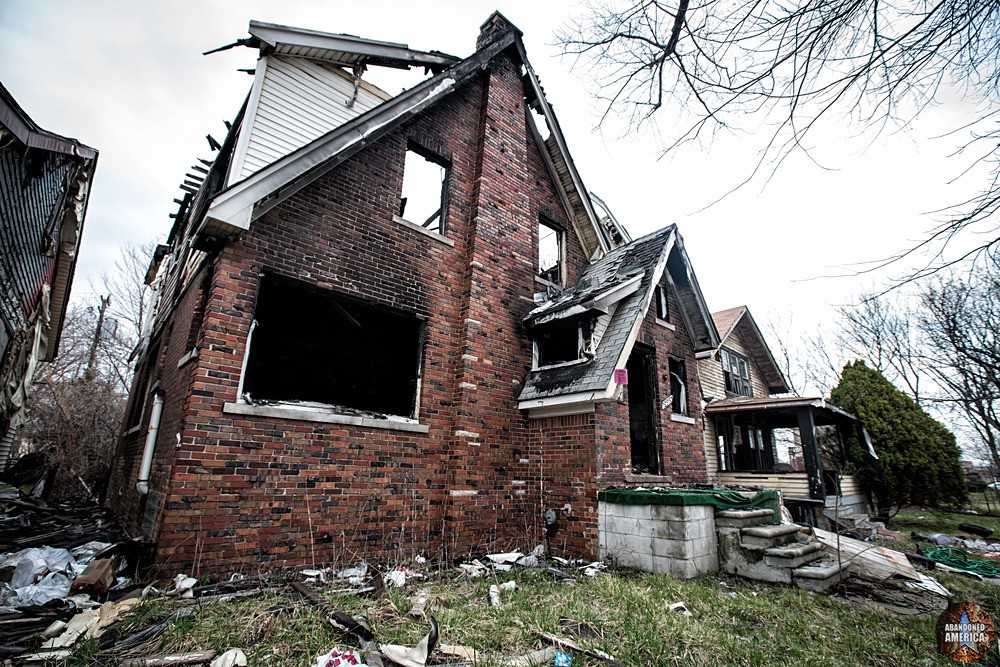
868, 561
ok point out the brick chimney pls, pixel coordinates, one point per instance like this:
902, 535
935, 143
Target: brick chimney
495, 26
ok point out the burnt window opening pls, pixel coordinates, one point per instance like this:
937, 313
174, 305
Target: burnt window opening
662, 303
425, 189
550, 252
320, 347
559, 344
678, 386
736, 372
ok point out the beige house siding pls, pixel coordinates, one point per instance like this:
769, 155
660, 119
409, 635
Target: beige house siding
792, 484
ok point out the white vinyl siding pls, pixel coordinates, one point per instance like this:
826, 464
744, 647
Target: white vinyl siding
300, 100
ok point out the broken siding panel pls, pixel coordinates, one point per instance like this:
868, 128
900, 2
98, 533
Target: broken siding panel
300, 100
794, 484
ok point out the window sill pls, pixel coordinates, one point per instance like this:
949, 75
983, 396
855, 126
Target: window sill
135, 429
562, 364
665, 324
324, 416
547, 283
423, 230
654, 480
190, 356
684, 419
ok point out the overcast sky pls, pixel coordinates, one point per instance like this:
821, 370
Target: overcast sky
128, 78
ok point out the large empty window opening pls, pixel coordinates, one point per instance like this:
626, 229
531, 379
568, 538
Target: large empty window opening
559, 344
678, 387
736, 371
550, 249
425, 191
320, 347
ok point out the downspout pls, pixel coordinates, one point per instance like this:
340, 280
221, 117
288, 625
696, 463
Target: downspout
142, 486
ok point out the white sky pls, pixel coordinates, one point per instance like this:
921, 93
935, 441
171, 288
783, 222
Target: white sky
128, 79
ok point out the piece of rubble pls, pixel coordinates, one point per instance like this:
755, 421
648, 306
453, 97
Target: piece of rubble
417, 655
234, 657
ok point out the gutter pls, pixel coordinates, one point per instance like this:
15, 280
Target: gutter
142, 486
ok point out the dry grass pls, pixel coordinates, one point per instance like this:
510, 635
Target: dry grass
733, 623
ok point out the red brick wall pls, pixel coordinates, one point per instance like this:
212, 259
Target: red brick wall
171, 344
286, 491
567, 455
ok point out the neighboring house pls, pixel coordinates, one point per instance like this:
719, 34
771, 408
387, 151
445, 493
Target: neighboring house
397, 325
45, 183
758, 434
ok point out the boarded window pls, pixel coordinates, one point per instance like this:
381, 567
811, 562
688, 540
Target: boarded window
321, 347
736, 372
678, 386
425, 191
550, 250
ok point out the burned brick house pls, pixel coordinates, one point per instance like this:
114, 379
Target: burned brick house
45, 184
399, 325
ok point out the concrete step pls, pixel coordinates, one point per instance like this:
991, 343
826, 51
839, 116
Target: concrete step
761, 538
743, 518
793, 555
821, 575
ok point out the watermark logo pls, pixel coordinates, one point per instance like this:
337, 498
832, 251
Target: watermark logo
965, 632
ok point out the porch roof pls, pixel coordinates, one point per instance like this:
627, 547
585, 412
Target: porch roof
782, 409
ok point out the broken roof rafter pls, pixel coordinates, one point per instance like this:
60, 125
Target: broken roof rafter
346, 50
237, 206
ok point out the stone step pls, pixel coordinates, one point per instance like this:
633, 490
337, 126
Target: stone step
793, 555
760, 538
821, 575
743, 518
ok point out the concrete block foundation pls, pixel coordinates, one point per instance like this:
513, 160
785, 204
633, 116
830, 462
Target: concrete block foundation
671, 539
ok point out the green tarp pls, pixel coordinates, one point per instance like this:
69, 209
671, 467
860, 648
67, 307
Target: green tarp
722, 499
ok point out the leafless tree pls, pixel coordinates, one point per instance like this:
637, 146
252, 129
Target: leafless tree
78, 400
960, 319
879, 330
126, 291
727, 63
810, 360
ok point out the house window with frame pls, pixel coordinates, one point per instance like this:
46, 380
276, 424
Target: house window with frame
678, 386
660, 294
550, 251
320, 347
557, 344
425, 189
736, 373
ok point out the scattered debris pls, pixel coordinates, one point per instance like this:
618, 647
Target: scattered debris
567, 644
494, 595
337, 657
419, 606
680, 608
974, 529
197, 658
416, 656
234, 657
562, 660
544, 656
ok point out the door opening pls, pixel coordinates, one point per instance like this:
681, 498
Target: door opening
642, 412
